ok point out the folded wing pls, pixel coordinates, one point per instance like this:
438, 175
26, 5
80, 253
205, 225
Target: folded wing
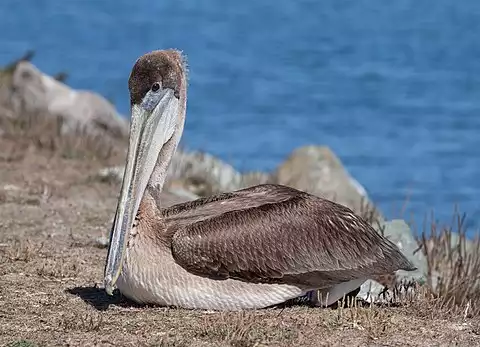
285, 236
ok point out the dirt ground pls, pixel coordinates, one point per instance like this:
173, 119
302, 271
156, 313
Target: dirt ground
51, 212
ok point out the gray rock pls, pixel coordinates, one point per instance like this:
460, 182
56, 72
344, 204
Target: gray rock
401, 234
34, 92
112, 174
102, 242
371, 291
172, 194
202, 173
199, 174
251, 179
12, 188
175, 196
317, 170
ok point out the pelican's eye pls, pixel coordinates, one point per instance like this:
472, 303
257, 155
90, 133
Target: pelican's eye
152, 97
155, 87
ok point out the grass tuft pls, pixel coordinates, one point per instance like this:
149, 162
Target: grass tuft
453, 276
22, 343
88, 322
20, 250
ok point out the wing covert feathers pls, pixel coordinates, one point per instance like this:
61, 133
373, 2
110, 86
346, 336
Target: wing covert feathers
286, 236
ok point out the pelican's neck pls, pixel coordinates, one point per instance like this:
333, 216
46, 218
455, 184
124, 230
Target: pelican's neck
159, 174
157, 179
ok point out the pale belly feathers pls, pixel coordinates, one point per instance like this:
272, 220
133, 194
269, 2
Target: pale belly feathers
151, 276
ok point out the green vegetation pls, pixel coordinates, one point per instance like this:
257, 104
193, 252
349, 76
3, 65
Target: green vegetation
21, 343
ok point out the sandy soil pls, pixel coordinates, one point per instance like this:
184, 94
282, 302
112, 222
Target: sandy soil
51, 212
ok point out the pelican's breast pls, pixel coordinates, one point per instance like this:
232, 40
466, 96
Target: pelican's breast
150, 275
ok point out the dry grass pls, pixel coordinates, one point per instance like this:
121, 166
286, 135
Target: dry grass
50, 272
46, 133
453, 265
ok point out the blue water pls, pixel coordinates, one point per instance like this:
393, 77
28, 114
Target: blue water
393, 87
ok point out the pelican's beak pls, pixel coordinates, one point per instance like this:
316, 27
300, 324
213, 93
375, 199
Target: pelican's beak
149, 131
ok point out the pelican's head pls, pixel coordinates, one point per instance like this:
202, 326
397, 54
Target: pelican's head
157, 87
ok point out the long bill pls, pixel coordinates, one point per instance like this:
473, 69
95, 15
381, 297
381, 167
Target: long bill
149, 131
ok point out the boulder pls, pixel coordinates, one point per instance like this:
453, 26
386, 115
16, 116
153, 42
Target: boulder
32, 91
113, 174
199, 174
317, 170
373, 292
403, 237
250, 179
202, 173
170, 197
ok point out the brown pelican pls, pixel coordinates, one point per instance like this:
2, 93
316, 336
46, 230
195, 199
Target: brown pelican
251, 248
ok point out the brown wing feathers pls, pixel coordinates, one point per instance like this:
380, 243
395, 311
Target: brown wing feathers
285, 241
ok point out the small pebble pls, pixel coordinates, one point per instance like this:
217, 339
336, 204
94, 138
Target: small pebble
101, 242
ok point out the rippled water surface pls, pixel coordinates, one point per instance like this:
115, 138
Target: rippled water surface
392, 87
